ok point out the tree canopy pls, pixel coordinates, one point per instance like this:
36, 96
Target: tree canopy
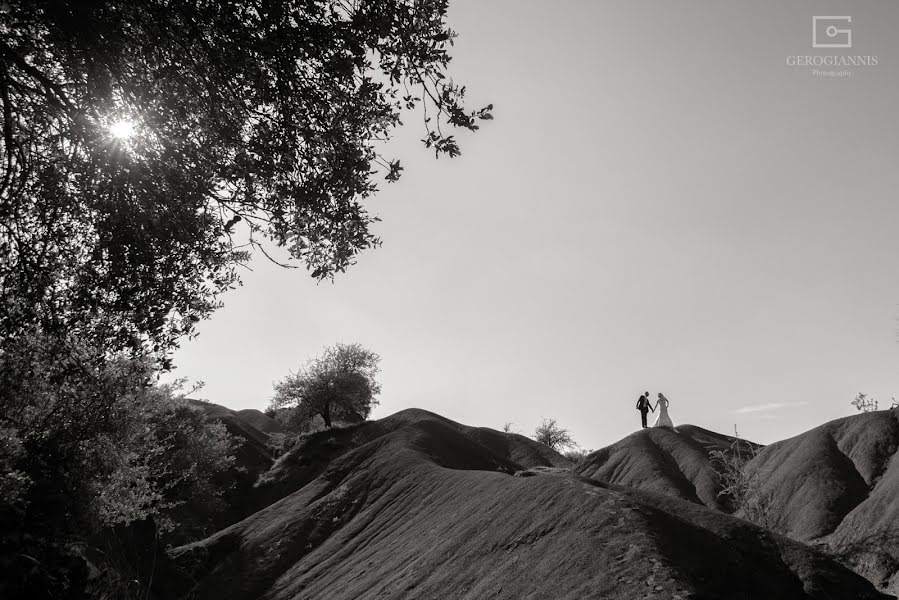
147, 149
549, 433
148, 146
340, 384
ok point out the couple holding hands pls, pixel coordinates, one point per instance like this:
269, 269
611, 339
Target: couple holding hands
644, 406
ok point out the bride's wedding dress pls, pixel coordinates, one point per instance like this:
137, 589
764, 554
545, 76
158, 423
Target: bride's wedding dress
663, 420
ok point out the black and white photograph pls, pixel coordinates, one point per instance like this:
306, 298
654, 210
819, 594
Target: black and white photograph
449, 300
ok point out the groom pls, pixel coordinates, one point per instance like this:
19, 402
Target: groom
644, 406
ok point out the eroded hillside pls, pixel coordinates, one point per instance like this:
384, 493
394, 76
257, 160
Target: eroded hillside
416, 506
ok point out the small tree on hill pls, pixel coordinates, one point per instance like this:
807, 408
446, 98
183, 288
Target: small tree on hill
743, 490
549, 433
340, 384
864, 403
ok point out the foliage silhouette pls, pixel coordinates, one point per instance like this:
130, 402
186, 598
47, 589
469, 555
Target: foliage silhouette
743, 490
550, 433
85, 447
864, 403
250, 122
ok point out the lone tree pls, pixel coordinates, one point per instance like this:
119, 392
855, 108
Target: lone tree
340, 385
550, 433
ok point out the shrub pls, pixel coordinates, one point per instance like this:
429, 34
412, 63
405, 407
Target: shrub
864, 403
577, 454
743, 489
550, 433
14, 483
86, 443
166, 452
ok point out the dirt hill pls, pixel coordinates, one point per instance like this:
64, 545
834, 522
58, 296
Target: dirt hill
672, 462
835, 486
416, 506
838, 484
260, 421
314, 453
253, 459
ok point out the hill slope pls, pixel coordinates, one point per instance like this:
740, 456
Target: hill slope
417, 507
260, 420
313, 453
835, 485
839, 484
253, 459
673, 462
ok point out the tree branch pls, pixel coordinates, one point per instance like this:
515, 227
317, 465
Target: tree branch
57, 90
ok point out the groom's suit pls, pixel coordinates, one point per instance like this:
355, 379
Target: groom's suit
644, 406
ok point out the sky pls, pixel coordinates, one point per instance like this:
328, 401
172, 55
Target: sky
662, 203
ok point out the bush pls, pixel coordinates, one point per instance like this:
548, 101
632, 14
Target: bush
742, 489
577, 454
13, 482
550, 433
509, 427
166, 452
87, 443
339, 385
864, 403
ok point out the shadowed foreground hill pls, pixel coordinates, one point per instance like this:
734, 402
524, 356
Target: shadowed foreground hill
672, 462
419, 507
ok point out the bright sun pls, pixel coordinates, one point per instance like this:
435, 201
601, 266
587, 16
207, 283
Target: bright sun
122, 129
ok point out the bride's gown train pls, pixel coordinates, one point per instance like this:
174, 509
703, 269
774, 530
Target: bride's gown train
663, 420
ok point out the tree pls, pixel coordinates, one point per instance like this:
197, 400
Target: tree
147, 147
864, 403
551, 434
340, 384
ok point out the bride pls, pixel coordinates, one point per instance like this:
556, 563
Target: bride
663, 420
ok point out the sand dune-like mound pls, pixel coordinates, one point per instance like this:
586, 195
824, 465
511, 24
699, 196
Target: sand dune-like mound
237, 425
253, 459
313, 453
839, 484
417, 506
513, 447
836, 485
837, 472
260, 420
674, 462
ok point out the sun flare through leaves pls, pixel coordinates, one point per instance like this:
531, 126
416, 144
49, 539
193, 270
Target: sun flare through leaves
121, 129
